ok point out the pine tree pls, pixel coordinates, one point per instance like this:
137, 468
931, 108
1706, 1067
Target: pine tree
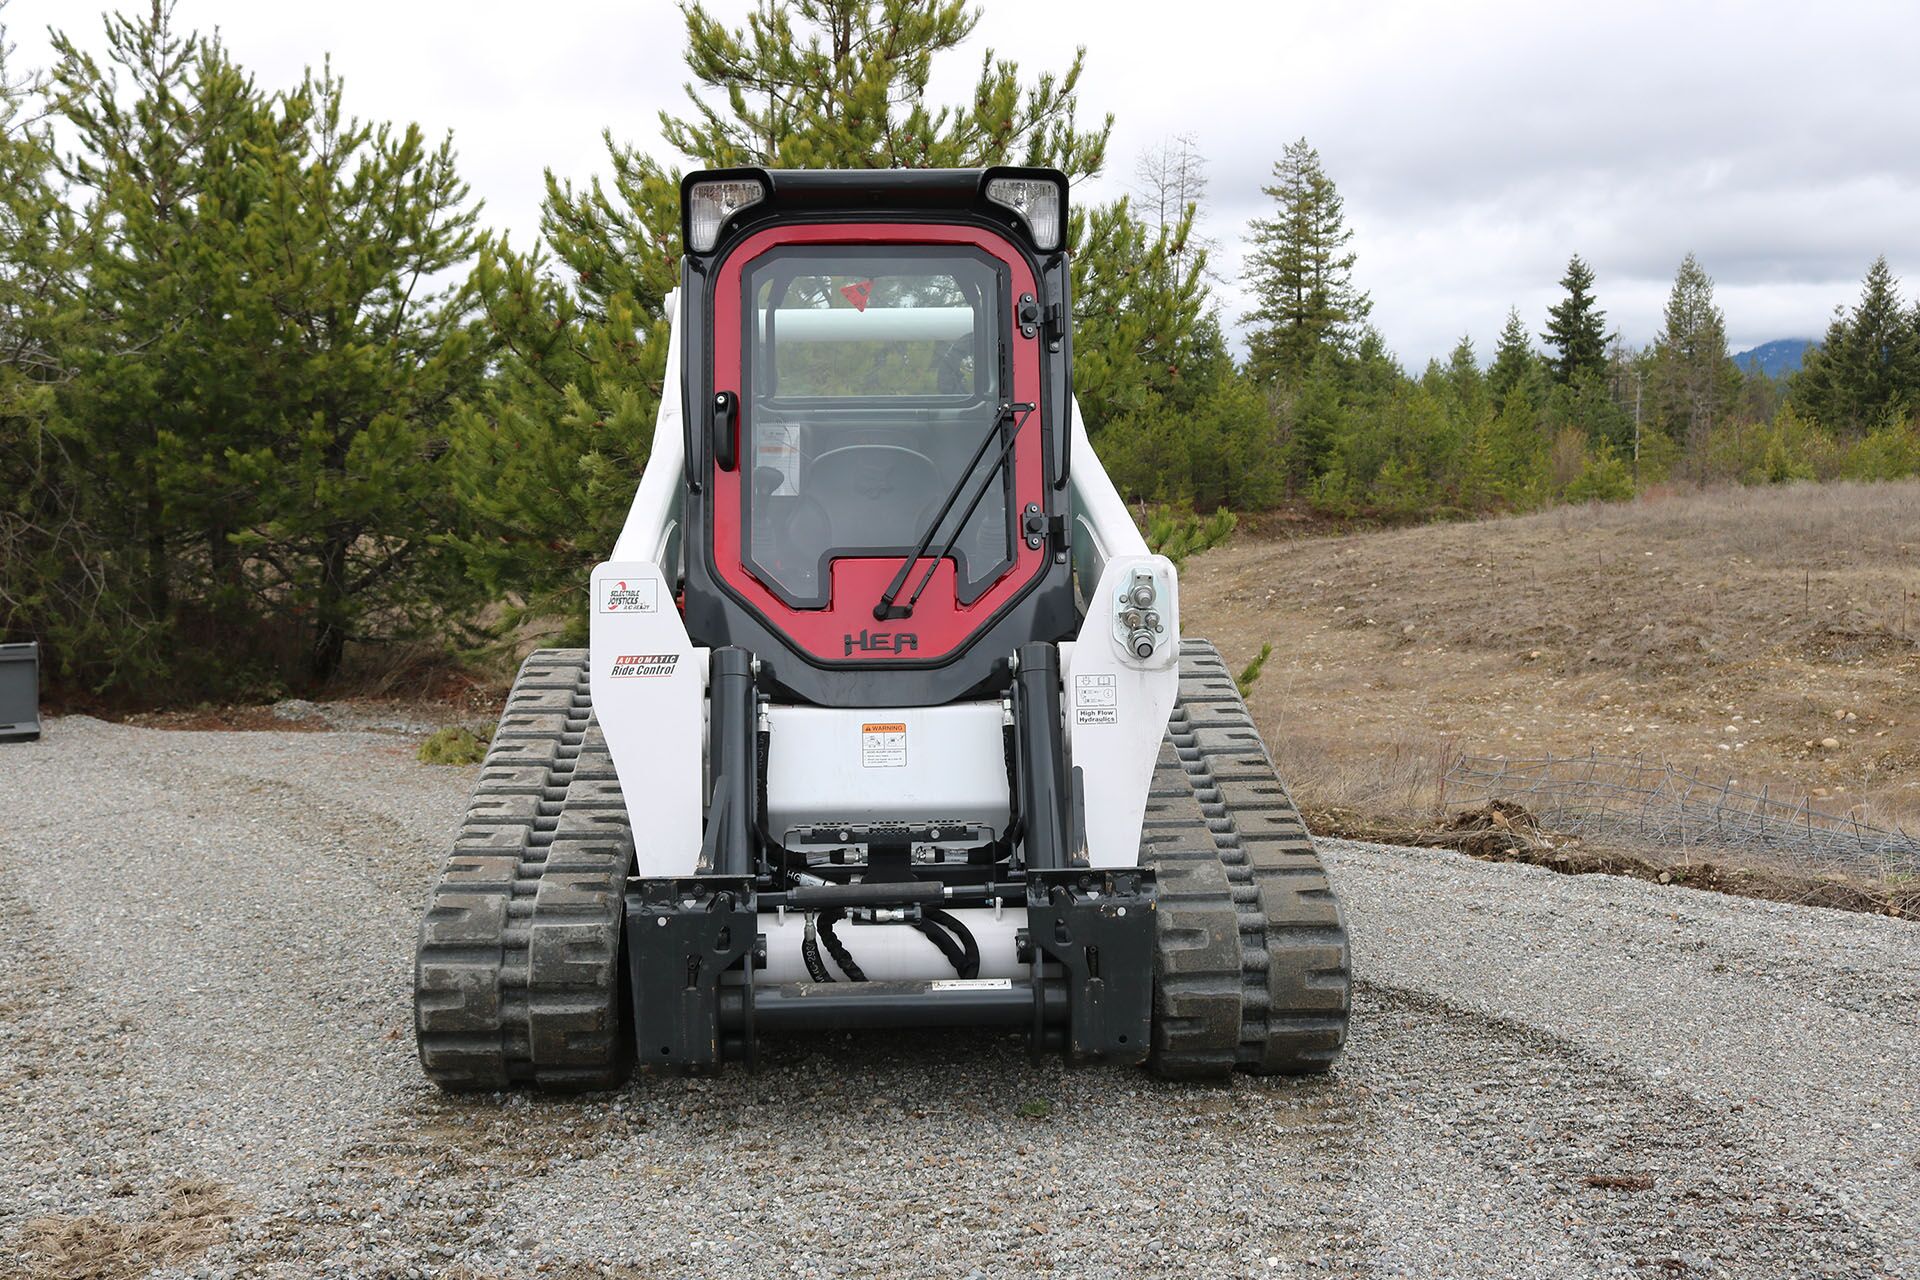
1576, 328
272, 352
30, 238
1815, 388
1868, 368
160, 176
547, 457
1466, 385
1878, 351
1519, 449
1513, 359
1139, 304
1692, 381
373, 336
1318, 417
1157, 388
1302, 273
842, 84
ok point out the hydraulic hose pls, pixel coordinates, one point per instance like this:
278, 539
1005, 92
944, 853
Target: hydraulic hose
948, 947
963, 956
955, 941
810, 952
836, 948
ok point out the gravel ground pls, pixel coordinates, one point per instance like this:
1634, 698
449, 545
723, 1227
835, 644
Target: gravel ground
207, 1069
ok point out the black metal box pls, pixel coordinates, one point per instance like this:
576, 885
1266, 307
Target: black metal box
19, 692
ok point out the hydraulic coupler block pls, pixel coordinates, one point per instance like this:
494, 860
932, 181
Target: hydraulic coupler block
682, 935
1099, 927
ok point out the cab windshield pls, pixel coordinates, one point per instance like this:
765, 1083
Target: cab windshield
871, 373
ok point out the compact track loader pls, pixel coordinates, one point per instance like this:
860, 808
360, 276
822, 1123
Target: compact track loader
888, 720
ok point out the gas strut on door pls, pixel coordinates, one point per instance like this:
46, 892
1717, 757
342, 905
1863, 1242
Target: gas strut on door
886, 610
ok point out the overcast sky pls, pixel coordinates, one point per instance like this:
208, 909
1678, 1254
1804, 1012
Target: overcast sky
1477, 145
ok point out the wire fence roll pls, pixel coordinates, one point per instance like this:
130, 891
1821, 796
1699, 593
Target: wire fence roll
1678, 814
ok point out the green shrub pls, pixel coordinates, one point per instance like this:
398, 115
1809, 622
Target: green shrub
1788, 448
1889, 452
1603, 478
456, 744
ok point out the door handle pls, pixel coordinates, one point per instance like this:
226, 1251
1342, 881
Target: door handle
726, 418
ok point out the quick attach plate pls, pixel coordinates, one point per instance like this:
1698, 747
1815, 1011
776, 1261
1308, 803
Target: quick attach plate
1099, 927
682, 934
894, 833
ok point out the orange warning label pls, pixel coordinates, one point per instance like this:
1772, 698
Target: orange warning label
883, 746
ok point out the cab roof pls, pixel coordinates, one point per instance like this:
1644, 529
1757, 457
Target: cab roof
813, 193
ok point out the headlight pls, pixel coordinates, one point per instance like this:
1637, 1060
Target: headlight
710, 204
1036, 200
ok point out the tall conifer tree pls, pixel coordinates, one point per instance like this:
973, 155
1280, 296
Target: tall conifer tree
1513, 359
1577, 328
1302, 273
58, 582
1869, 364
1693, 380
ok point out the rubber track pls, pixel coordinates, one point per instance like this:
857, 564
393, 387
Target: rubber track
1252, 963
518, 978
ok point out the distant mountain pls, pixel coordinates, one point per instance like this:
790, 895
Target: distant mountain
1776, 359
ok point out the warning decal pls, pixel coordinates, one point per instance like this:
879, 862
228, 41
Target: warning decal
883, 746
859, 293
617, 595
1096, 699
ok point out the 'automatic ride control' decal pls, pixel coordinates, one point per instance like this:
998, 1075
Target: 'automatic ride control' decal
645, 664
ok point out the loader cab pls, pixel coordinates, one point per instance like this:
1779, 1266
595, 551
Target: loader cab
876, 384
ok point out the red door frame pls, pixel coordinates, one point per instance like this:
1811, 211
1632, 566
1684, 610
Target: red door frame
940, 625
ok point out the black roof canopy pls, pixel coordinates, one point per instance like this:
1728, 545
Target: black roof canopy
866, 192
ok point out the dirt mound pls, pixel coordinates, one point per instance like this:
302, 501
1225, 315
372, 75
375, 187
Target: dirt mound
1498, 829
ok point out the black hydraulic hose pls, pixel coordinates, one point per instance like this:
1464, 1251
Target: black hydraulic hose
810, 952
763, 746
836, 948
969, 965
948, 947
960, 947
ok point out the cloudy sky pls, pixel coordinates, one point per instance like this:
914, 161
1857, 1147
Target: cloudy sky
1477, 145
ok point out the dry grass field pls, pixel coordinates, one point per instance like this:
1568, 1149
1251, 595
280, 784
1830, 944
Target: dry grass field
1770, 636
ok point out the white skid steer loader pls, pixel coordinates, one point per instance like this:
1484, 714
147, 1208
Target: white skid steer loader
888, 720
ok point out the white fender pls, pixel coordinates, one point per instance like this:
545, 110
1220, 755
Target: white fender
649, 693
1116, 706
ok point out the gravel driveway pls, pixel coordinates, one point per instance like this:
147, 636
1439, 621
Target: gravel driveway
206, 1067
